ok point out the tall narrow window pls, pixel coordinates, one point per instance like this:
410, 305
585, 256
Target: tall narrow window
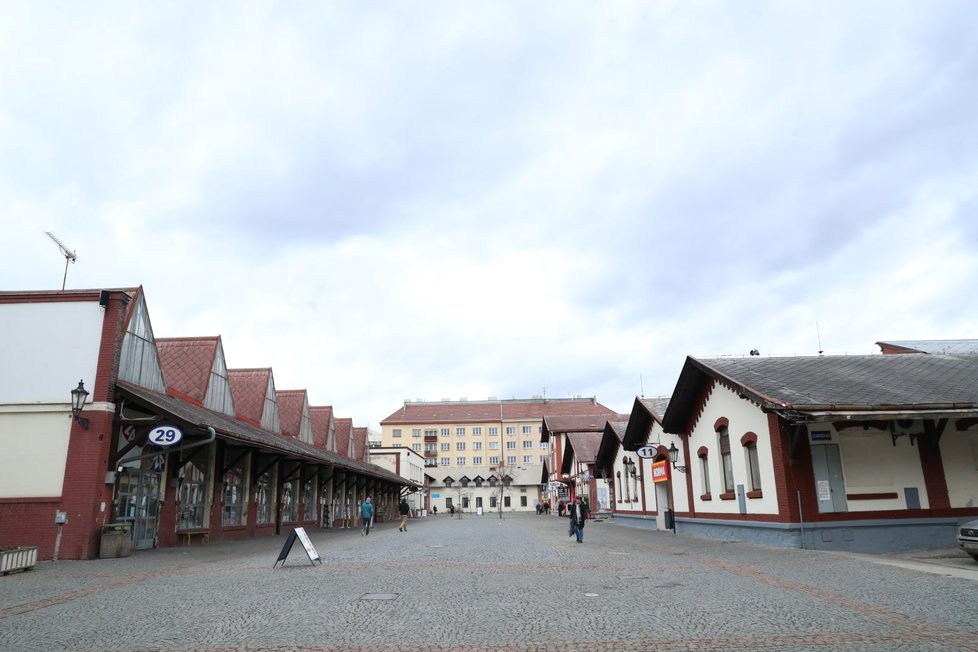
749, 441
704, 473
723, 436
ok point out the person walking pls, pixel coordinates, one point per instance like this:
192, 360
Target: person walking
404, 510
366, 515
578, 513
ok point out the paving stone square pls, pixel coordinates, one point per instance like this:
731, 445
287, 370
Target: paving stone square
482, 583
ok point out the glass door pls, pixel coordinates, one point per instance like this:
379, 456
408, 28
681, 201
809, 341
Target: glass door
139, 491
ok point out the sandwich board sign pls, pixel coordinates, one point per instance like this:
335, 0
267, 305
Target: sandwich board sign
300, 534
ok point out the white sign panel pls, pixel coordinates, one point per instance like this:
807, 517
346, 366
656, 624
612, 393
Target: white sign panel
647, 452
165, 436
824, 491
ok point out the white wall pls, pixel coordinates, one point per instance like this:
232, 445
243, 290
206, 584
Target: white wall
959, 451
872, 464
46, 349
33, 453
743, 417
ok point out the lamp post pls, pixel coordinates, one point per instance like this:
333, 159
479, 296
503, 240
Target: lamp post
78, 396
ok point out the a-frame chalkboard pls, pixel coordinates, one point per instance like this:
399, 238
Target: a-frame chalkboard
300, 534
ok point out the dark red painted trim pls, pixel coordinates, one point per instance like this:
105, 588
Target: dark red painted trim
879, 496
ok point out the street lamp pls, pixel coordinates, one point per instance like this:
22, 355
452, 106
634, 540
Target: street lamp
674, 457
78, 396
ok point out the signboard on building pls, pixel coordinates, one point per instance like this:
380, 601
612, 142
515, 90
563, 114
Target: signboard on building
660, 471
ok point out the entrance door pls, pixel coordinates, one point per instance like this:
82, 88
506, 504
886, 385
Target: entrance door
662, 503
830, 486
139, 491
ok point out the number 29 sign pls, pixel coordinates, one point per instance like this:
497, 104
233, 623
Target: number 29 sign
165, 435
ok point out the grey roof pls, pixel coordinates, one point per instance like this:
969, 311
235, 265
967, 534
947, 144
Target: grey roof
911, 382
941, 347
656, 405
645, 412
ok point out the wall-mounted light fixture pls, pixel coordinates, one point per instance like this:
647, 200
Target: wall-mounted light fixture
78, 396
674, 457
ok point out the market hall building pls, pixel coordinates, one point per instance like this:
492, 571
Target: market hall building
233, 457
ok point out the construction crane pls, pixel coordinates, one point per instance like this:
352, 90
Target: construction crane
69, 255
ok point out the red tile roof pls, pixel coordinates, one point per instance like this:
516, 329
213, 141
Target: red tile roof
321, 417
585, 445
248, 389
290, 409
343, 429
187, 364
481, 411
360, 444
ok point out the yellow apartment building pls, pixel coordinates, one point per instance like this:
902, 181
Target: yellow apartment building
481, 456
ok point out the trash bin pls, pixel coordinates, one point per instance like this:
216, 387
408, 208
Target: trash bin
669, 518
116, 540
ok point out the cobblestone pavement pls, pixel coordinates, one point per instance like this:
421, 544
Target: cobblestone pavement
486, 584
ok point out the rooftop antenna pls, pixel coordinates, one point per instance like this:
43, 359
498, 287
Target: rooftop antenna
69, 255
819, 335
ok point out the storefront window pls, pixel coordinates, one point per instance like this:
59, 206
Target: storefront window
263, 498
234, 494
290, 497
309, 500
193, 496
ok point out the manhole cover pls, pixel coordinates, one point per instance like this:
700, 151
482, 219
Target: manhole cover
379, 596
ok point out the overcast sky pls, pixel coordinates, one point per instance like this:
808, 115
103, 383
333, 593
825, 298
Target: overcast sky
441, 200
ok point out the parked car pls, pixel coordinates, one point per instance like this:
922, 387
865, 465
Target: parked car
968, 538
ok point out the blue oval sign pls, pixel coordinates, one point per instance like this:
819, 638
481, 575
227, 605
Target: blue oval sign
647, 452
165, 435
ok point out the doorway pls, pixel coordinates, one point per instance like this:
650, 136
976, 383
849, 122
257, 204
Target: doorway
139, 504
830, 486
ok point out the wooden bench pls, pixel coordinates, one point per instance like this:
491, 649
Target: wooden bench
186, 535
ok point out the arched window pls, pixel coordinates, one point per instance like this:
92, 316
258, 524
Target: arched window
749, 442
704, 454
726, 462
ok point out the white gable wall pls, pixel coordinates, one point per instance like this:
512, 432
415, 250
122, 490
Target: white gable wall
743, 417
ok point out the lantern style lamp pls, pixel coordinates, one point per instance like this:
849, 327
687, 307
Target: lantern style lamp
78, 396
674, 457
